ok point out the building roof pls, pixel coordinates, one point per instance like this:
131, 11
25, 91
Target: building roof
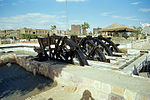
118, 28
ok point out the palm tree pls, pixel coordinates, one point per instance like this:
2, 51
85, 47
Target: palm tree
53, 27
84, 27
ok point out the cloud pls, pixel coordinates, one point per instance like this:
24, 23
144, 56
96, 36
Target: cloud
70, 0
106, 13
32, 20
144, 9
116, 16
131, 18
110, 14
135, 3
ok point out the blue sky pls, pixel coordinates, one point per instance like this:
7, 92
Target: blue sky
15, 14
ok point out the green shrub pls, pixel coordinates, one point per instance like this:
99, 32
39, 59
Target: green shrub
33, 36
143, 37
22, 36
28, 36
13, 37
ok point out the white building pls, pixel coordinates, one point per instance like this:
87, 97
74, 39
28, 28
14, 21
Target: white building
145, 24
146, 28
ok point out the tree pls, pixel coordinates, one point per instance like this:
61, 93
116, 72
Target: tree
53, 27
84, 27
139, 31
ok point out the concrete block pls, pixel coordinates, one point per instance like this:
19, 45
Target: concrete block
129, 95
103, 96
125, 46
113, 96
97, 84
80, 88
142, 97
118, 90
133, 51
68, 77
106, 88
87, 82
144, 74
129, 45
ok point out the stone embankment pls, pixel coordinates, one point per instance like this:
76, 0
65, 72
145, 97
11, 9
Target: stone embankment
99, 84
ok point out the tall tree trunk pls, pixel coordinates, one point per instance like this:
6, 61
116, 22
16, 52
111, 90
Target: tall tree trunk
84, 31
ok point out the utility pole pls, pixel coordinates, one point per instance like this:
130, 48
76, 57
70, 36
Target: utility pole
66, 16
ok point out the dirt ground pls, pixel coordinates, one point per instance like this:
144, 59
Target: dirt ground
57, 93
18, 84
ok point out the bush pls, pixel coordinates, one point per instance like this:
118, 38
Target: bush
143, 37
33, 36
13, 37
22, 36
28, 36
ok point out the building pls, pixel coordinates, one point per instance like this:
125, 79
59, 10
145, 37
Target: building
60, 32
76, 29
145, 24
117, 30
9, 33
146, 28
38, 32
17, 33
96, 30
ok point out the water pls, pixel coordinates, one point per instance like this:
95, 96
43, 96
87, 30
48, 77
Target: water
18, 84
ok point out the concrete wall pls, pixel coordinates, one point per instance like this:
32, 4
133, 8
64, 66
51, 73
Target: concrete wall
138, 44
65, 75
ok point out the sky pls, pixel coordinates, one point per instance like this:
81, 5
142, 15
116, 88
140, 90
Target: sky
41, 14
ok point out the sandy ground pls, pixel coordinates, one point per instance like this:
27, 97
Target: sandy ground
19, 52
18, 84
57, 93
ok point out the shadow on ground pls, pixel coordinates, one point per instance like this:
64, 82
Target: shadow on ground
15, 79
